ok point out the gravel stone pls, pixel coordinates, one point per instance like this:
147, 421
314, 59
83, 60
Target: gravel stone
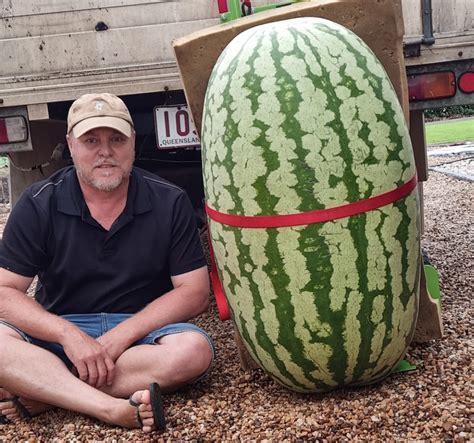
433, 403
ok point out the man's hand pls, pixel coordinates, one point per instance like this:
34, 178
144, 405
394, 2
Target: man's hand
90, 358
116, 341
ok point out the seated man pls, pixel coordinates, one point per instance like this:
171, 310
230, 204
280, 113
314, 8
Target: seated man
120, 269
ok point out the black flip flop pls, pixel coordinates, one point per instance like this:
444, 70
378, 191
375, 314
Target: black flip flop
156, 406
25, 414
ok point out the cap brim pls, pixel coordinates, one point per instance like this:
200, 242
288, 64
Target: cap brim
86, 125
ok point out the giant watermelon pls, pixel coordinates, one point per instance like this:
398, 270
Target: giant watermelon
300, 117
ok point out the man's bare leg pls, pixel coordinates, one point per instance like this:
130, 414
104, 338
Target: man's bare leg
176, 360
34, 373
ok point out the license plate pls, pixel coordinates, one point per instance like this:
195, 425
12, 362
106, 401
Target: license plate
175, 127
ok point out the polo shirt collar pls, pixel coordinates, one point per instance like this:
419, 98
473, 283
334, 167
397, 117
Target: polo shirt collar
72, 202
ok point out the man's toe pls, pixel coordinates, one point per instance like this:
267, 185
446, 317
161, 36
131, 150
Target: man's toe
11, 415
148, 421
145, 397
7, 408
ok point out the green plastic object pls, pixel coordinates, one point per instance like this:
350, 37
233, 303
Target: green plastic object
235, 10
404, 366
432, 282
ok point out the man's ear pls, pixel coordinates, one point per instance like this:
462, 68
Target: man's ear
68, 139
70, 144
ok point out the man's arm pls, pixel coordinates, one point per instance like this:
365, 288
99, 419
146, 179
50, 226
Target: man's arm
188, 298
91, 360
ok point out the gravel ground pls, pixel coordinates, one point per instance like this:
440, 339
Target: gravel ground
433, 403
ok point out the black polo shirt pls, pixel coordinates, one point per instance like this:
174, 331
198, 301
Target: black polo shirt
83, 268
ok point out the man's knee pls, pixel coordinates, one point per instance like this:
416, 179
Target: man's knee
8, 332
198, 350
193, 353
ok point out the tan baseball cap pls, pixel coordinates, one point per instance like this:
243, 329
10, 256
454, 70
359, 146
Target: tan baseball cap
92, 111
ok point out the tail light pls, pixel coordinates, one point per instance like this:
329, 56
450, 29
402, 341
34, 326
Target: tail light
431, 86
466, 82
13, 130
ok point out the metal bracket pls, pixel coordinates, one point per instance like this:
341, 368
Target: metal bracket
411, 50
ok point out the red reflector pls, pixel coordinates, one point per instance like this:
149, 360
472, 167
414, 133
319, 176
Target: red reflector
466, 82
3, 131
431, 86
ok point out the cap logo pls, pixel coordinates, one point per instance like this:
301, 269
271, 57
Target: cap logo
99, 105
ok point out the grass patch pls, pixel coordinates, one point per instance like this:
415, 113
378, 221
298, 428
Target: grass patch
449, 131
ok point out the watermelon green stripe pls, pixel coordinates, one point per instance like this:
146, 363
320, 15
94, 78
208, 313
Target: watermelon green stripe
381, 316
329, 163
289, 67
251, 160
290, 99
280, 180
291, 64
265, 318
345, 302
277, 309
282, 171
286, 306
402, 235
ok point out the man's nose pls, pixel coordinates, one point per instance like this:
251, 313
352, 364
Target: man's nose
105, 149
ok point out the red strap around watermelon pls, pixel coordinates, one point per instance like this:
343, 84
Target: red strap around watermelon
304, 218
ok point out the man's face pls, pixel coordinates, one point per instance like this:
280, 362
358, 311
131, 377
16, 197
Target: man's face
103, 158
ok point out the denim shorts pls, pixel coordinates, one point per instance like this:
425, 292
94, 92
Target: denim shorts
96, 325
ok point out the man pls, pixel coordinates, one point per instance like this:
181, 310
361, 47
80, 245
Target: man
120, 268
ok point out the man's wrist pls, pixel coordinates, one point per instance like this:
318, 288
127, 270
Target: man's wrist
125, 335
64, 330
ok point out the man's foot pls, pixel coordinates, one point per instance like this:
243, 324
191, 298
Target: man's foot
131, 416
18, 408
156, 401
